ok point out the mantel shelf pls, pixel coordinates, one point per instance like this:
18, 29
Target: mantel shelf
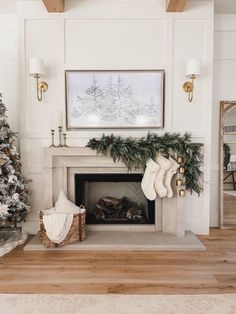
69, 151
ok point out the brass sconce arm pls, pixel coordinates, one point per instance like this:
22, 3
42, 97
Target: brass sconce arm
192, 72
36, 69
41, 87
189, 87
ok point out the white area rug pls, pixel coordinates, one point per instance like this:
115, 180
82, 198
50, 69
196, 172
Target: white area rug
117, 304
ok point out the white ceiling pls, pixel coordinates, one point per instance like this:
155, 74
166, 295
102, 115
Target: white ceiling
221, 6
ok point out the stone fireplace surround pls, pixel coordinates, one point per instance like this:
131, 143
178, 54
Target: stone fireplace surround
60, 167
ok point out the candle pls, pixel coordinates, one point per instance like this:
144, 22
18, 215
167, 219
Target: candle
60, 118
64, 120
53, 123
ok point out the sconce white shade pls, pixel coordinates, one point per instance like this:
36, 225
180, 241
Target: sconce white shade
193, 67
36, 66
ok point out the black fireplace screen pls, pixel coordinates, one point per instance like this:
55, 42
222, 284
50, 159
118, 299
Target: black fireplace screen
113, 199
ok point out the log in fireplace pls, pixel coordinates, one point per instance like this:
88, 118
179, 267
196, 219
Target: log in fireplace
113, 198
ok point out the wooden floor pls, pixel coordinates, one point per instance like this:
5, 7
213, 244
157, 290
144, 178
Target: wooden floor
213, 271
229, 206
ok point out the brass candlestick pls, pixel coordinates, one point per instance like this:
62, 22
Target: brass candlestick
64, 140
60, 136
52, 138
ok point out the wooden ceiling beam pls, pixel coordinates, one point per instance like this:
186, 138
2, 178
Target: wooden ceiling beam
54, 5
175, 5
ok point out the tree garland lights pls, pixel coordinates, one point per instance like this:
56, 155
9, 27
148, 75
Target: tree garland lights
134, 153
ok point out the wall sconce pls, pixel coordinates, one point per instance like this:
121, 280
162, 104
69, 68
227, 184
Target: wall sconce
193, 71
36, 68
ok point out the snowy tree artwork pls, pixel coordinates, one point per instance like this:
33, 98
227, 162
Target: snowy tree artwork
114, 99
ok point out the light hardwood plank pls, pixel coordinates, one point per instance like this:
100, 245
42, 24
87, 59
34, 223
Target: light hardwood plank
213, 271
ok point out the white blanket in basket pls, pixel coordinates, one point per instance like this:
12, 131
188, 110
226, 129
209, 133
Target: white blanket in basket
58, 220
57, 226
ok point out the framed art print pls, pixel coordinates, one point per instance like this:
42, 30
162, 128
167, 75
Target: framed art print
115, 99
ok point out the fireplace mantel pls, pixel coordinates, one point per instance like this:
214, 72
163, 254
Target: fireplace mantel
60, 165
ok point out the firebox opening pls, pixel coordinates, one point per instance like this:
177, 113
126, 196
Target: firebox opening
113, 199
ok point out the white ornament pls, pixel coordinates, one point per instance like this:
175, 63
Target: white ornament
12, 178
3, 209
169, 175
165, 165
148, 180
15, 197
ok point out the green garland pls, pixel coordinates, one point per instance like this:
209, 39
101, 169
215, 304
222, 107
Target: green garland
134, 153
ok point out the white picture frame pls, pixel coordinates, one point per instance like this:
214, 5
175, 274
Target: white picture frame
114, 99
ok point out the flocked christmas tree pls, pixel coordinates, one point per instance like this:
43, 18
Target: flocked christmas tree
14, 192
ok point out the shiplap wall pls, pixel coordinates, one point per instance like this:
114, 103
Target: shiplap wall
109, 34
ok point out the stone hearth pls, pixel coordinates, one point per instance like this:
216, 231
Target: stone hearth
60, 167
127, 241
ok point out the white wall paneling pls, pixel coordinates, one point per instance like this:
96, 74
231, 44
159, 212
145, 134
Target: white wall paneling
223, 41
9, 66
186, 34
103, 44
109, 34
42, 40
224, 77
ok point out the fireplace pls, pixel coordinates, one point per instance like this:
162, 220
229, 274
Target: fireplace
62, 164
113, 198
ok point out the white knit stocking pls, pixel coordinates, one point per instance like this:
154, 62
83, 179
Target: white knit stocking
165, 165
148, 180
169, 175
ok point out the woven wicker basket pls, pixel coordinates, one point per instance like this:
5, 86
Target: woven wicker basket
76, 233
